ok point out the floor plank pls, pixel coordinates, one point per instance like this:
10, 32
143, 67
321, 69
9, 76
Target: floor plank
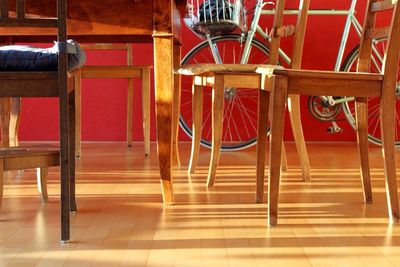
121, 221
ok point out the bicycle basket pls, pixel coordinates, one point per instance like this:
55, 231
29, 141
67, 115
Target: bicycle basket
215, 17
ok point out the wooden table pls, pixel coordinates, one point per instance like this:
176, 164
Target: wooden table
130, 21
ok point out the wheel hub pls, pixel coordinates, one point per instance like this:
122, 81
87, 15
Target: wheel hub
229, 93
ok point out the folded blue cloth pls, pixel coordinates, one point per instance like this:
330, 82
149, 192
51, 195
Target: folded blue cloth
29, 58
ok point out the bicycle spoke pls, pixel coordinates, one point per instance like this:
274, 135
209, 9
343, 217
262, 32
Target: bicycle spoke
245, 110
228, 130
239, 123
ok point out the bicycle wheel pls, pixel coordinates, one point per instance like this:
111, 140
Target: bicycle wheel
240, 104
374, 130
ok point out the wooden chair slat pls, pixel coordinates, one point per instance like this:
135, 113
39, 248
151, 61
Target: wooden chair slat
382, 5
28, 22
299, 36
276, 40
4, 9
377, 33
20, 8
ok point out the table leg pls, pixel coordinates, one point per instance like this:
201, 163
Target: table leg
164, 87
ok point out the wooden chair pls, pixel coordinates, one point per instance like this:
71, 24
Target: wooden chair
220, 76
22, 158
49, 83
130, 72
360, 85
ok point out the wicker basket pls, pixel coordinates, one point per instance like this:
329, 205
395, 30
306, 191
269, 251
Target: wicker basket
216, 17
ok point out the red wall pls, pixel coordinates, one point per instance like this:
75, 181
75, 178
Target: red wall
104, 100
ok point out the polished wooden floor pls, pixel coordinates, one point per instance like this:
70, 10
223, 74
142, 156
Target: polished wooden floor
121, 221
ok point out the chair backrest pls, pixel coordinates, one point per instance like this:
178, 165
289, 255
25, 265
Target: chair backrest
371, 32
24, 21
298, 35
126, 47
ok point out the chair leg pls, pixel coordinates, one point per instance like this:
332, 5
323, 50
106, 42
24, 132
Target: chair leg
197, 109
176, 106
283, 158
78, 135
15, 119
41, 176
263, 108
278, 101
217, 112
5, 121
1, 181
129, 109
295, 119
71, 141
146, 109
387, 116
64, 163
10, 108
362, 140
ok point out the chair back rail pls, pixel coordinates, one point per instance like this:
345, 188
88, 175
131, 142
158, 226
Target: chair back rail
298, 43
299, 33
111, 46
371, 32
18, 18
15, 18
24, 21
276, 39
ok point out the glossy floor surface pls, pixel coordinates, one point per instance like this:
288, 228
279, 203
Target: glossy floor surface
121, 221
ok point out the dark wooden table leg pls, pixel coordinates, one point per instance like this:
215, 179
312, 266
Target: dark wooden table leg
164, 87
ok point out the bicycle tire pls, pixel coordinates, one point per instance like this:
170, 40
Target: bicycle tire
373, 102
231, 141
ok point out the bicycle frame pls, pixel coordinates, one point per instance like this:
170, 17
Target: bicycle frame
351, 20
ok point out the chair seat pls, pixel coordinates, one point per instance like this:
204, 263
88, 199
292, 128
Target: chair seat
201, 69
29, 58
322, 74
25, 158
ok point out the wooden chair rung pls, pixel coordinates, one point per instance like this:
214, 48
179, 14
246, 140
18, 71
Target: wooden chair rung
377, 33
382, 5
121, 72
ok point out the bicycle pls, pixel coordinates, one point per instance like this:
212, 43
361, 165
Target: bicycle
217, 23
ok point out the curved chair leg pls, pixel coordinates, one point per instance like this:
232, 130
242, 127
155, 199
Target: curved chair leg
41, 175
283, 158
217, 112
10, 108
263, 108
129, 111
362, 140
146, 109
387, 108
278, 102
15, 119
176, 106
1, 180
197, 109
78, 85
72, 149
295, 119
